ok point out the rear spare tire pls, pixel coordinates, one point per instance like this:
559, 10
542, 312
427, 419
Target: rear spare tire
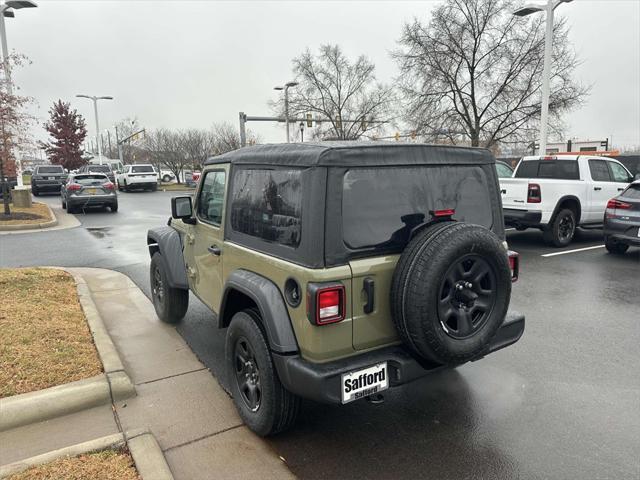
450, 291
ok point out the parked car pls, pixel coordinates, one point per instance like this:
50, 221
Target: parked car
138, 176
622, 220
339, 270
47, 178
166, 176
504, 169
556, 194
105, 169
86, 190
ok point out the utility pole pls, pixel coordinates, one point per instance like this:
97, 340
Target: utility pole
109, 139
286, 88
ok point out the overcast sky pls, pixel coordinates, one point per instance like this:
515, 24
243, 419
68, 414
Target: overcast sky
182, 64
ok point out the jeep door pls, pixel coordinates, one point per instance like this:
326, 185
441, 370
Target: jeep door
204, 245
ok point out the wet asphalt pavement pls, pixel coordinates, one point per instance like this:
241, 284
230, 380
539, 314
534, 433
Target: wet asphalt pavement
563, 403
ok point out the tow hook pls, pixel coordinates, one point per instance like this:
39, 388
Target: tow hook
375, 399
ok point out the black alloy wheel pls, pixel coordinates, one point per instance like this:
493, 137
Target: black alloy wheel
467, 296
247, 374
157, 286
566, 228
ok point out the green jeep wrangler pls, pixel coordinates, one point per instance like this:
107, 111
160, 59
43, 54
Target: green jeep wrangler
340, 269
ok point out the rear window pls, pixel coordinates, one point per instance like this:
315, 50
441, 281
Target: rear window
54, 169
268, 204
632, 192
99, 168
558, 169
381, 206
142, 169
90, 179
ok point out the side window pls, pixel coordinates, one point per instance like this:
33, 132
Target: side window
618, 173
268, 204
503, 170
211, 199
599, 171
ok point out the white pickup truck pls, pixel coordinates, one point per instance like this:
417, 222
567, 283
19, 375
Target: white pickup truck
559, 193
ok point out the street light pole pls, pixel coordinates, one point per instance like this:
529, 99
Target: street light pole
95, 111
549, 8
6, 10
286, 104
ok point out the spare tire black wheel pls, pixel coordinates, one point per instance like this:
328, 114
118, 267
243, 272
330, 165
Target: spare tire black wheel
450, 292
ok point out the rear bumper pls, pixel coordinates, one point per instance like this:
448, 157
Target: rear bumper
321, 382
91, 201
49, 185
521, 218
623, 231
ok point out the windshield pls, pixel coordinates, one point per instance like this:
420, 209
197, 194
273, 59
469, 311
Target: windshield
380, 207
142, 169
54, 169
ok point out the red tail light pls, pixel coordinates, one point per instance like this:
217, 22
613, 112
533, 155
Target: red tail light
617, 204
534, 194
73, 187
326, 304
514, 264
448, 212
108, 185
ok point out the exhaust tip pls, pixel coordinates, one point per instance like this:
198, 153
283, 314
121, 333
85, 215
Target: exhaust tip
375, 399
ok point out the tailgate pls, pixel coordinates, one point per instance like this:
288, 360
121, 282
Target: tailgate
514, 192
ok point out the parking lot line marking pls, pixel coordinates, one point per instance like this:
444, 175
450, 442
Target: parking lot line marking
571, 251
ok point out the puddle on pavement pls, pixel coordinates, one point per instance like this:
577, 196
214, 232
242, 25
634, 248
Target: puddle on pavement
99, 232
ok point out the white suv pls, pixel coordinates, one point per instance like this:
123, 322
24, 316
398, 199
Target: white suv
138, 176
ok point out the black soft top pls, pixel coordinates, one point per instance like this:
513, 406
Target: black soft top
354, 153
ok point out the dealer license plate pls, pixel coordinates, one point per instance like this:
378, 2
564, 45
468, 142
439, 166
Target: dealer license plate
365, 382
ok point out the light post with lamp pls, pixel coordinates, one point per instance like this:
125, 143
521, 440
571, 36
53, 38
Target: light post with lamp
549, 8
286, 103
95, 111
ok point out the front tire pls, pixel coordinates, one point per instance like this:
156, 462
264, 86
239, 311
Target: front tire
171, 304
561, 230
264, 405
35, 191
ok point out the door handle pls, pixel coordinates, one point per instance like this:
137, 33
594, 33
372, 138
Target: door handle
369, 291
597, 188
620, 189
214, 250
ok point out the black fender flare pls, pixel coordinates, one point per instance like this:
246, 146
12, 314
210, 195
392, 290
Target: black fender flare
561, 201
167, 241
267, 296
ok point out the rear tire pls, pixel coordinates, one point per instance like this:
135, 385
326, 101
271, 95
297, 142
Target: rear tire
171, 304
561, 230
450, 292
264, 405
126, 187
64, 205
119, 186
166, 179
614, 247
113, 208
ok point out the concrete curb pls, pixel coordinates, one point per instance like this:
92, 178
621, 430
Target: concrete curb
54, 402
110, 441
33, 226
113, 385
148, 456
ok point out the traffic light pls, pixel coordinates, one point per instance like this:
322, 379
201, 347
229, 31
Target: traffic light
309, 120
397, 136
413, 135
339, 122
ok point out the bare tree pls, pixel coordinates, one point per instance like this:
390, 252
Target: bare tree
473, 74
164, 147
333, 87
225, 138
14, 126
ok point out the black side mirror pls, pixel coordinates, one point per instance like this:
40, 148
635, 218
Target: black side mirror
182, 209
